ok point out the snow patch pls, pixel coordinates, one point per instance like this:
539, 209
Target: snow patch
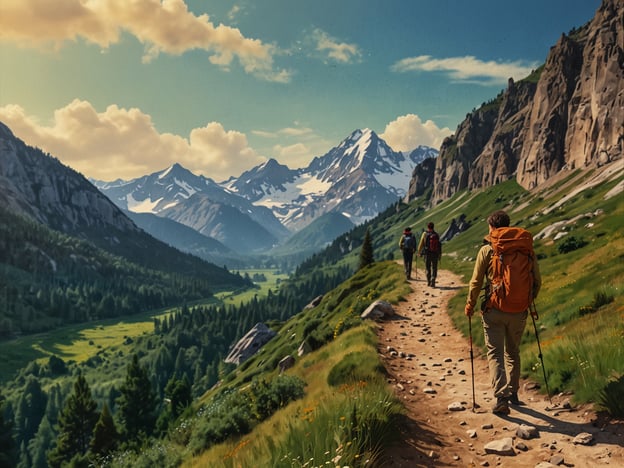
141, 206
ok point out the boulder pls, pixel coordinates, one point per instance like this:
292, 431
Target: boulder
250, 344
286, 363
378, 310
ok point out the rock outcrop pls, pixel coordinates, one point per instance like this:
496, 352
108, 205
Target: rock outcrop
567, 115
250, 344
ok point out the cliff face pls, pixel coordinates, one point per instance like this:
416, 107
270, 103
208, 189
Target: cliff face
571, 117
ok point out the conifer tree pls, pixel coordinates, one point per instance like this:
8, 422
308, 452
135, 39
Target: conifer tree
105, 435
30, 410
137, 403
75, 423
7, 444
366, 254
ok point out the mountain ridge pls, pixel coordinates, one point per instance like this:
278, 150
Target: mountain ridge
566, 115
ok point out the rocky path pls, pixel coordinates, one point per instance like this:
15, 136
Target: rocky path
428, 362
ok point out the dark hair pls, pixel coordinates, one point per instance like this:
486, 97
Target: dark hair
498, 219
430, 226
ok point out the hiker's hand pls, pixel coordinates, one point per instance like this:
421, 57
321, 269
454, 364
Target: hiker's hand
469, 310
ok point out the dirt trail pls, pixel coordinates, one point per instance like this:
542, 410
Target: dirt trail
428, 361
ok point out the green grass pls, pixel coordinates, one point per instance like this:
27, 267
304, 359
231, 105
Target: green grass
272, 282
73, 342
348, 409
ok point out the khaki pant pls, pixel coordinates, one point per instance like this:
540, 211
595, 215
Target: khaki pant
503, 332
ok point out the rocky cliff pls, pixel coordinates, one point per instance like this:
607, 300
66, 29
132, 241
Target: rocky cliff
566, 115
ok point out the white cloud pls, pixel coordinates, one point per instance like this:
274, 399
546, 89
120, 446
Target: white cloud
467, 68
123, 143
341, 52
165, 26
408, 131
285, 132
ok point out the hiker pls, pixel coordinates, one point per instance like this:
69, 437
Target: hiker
407, 244
508, 263
430, 248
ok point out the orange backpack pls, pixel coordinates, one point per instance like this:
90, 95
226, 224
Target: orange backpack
511, 265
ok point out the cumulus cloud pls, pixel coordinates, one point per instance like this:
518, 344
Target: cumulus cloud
123, 143
330, 47
409, 131
162, 26
467, 68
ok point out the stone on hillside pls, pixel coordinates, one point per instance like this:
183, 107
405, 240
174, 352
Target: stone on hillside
378, 310
584, 438
556, 460
526, 432
286, 363
250, 344
304, 348
500, 447
316, 301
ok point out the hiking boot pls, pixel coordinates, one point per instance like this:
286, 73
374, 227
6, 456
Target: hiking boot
514, 400
501, 406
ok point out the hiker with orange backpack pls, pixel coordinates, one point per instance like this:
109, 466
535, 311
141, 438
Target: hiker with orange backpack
507, 262
430, 248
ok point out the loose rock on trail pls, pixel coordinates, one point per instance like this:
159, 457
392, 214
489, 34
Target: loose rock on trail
428, 363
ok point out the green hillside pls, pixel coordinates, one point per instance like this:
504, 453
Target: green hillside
581, 306
333, 404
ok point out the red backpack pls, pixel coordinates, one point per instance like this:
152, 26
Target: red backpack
511, 265
432, 242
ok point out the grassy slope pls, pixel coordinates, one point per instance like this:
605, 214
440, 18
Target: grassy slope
321, 416
581, 352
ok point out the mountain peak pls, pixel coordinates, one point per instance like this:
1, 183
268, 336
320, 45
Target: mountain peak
175, 170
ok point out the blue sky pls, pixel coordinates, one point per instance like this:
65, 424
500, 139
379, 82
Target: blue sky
120, 88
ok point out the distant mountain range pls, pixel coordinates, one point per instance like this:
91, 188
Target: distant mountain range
263, 207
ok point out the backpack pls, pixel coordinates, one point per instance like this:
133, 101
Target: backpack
511, 266
432, 242
409, 242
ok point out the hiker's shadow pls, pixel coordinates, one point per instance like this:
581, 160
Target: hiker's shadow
553, 425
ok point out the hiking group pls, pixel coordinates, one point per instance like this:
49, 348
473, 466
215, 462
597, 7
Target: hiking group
429, 247
506, 263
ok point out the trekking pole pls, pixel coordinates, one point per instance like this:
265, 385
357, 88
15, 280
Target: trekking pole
416, 263
534, 316
474, 405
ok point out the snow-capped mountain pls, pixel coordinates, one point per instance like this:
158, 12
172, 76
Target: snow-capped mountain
358, 178
200, 203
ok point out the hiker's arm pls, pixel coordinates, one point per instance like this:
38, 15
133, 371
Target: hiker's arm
478, 274
421, 244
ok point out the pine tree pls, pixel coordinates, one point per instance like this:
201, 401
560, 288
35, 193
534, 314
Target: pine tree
76, 423
105, 435
366, 254
7, 444
137, 403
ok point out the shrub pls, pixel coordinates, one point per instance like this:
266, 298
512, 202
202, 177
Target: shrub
611, 397
570, 244
601, 298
